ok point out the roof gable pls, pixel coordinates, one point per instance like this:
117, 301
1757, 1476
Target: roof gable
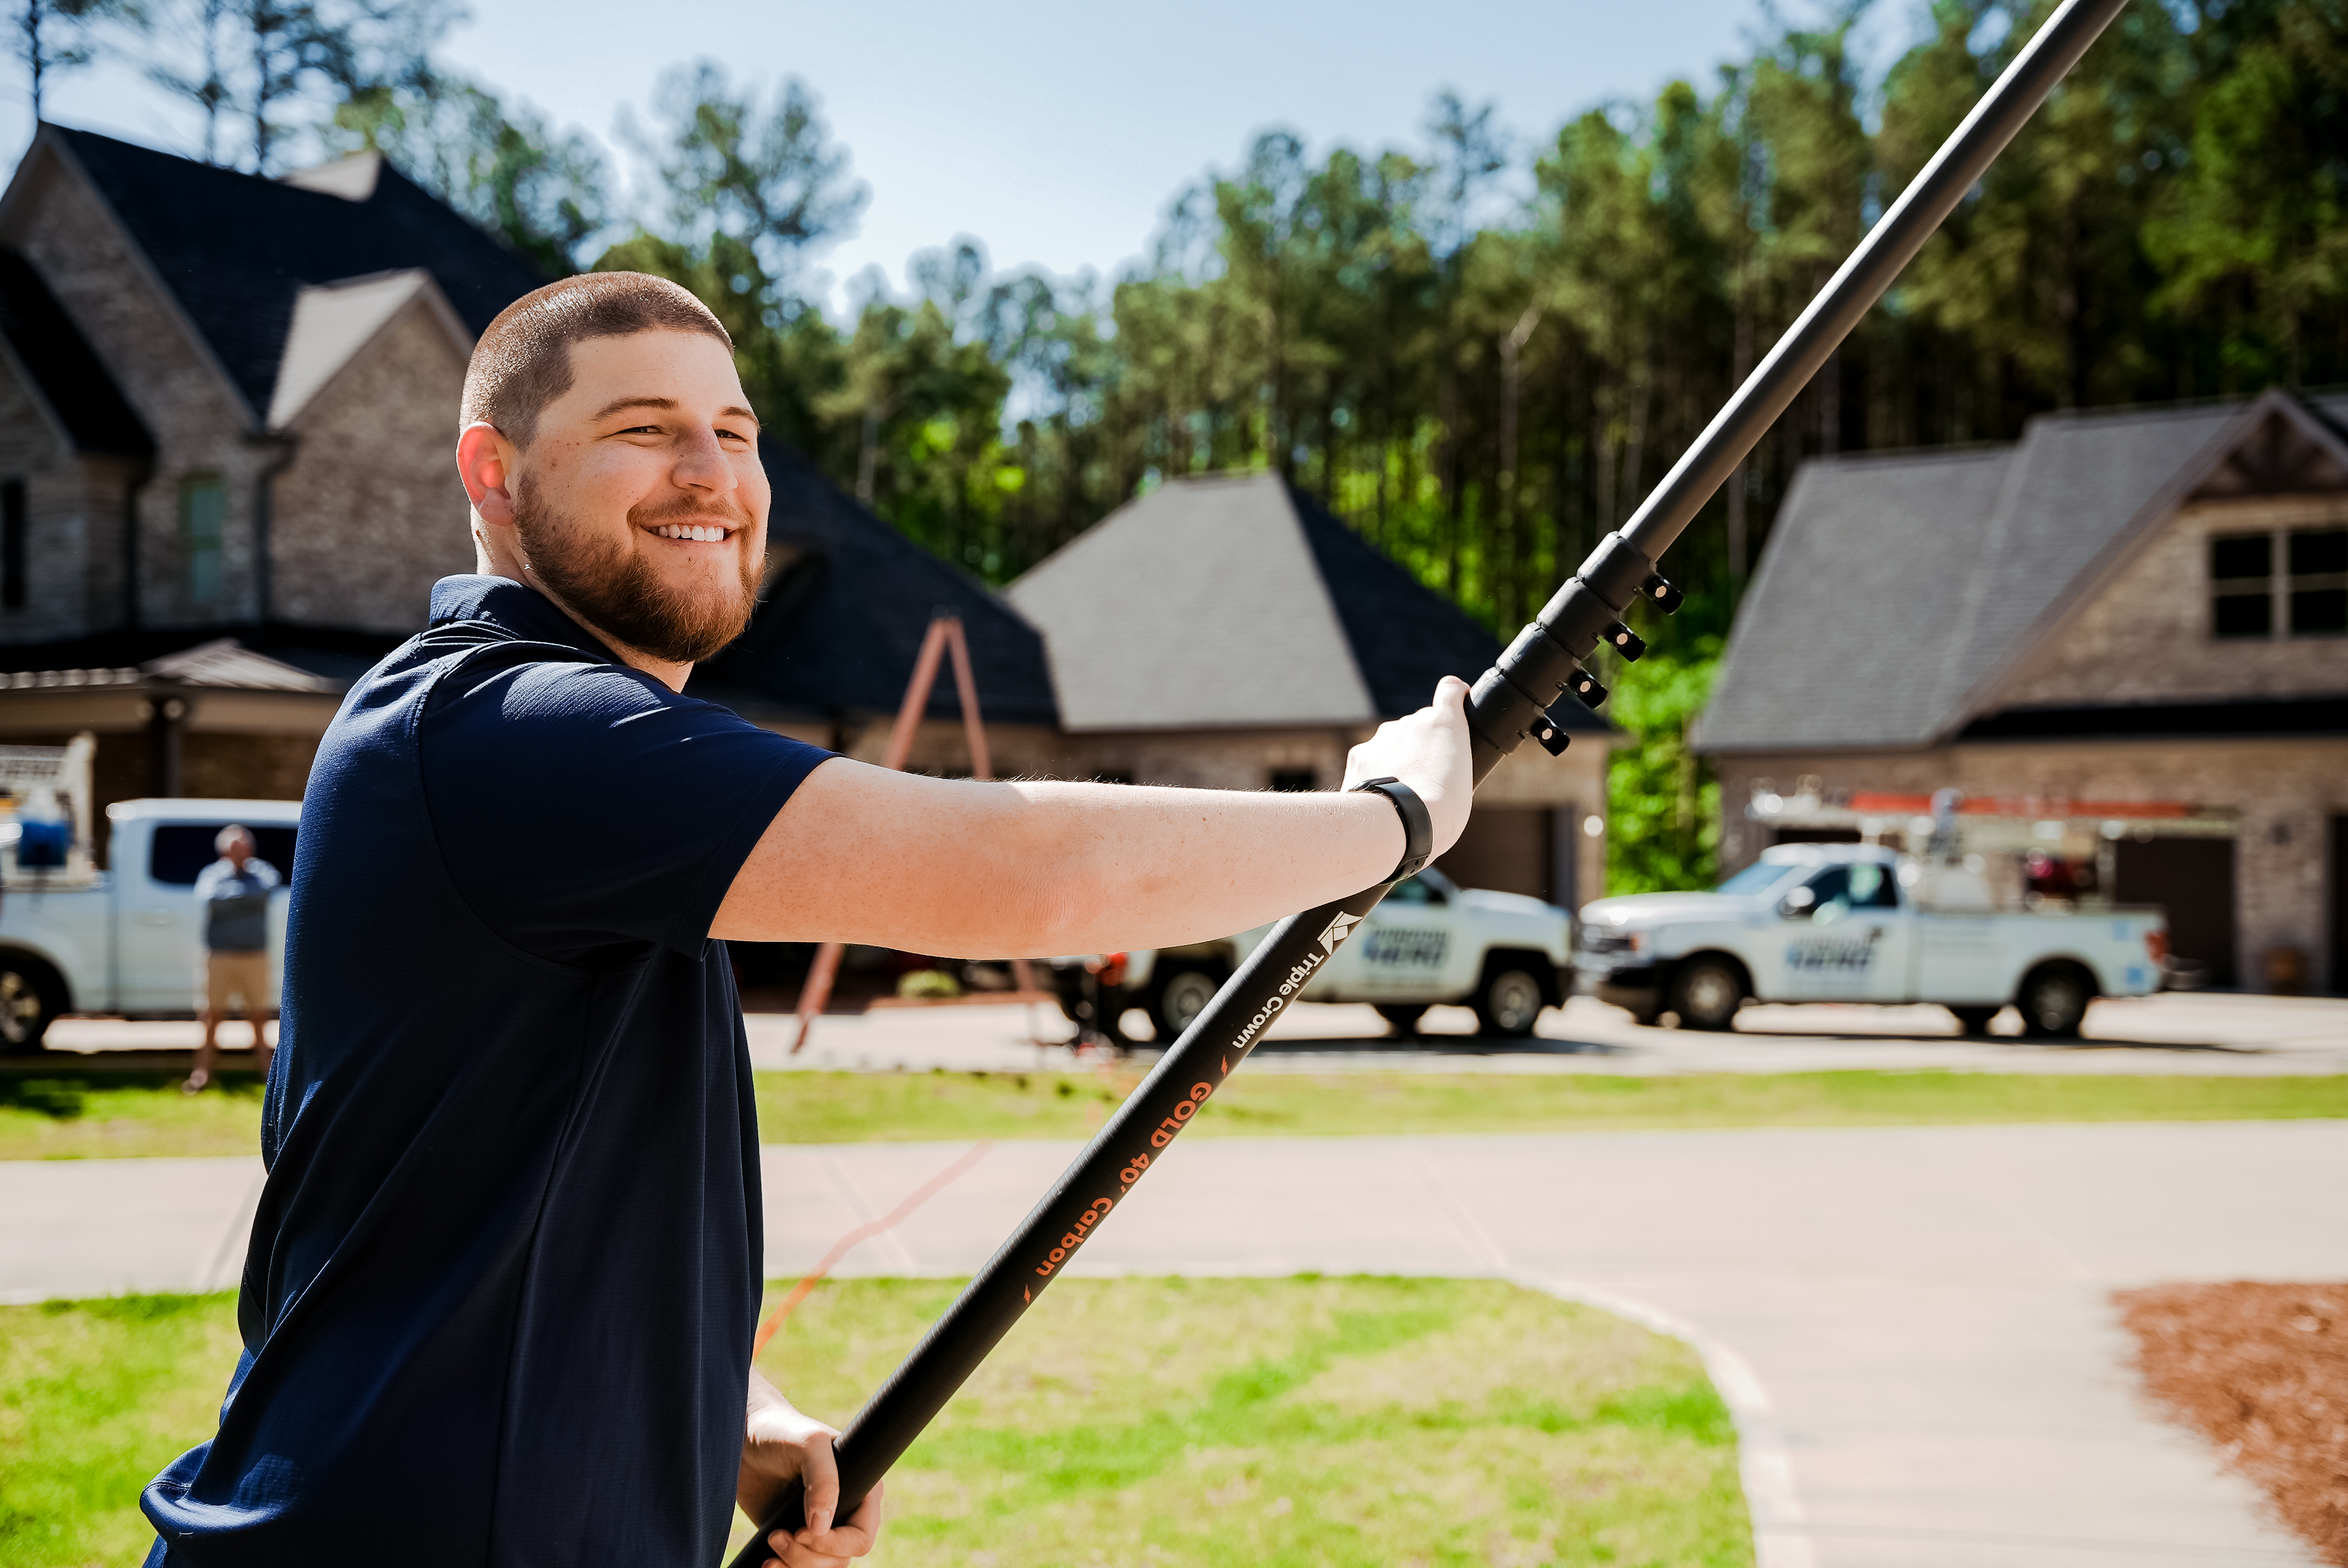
334, 322
1199, 606
236, 250
63, 368
848, 601
2277, 446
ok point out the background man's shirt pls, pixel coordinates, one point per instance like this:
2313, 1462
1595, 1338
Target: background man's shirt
235, 901
505, 1272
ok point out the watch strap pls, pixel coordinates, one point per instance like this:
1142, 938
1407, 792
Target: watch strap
1418, 826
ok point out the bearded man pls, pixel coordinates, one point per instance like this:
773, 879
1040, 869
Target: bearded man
498, 1303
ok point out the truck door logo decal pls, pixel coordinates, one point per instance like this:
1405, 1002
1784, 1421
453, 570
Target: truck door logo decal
1339, 929
1832, 955
1401, 944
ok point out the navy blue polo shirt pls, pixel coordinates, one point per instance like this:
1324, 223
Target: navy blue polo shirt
503, 1279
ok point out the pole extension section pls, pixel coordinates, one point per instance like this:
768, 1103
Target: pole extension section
1509, 704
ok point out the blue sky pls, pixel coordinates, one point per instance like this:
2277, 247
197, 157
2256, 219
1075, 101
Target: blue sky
1056, 132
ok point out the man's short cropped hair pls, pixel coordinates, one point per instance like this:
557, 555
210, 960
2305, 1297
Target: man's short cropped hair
228, 836
523, 361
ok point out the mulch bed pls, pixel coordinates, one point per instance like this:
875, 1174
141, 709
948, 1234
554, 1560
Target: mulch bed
2260, 1370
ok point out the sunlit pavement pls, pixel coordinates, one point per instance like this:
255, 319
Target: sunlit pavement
1913, 1326
2213, 1032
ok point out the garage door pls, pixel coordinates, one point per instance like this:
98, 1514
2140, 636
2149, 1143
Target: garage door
2193, 880
1508, 848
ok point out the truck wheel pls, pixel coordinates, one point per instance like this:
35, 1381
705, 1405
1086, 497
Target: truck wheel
2054, 999
1707, 993
1973, 1021
1402, 1017
1179, 996
31, 996
1509, 1001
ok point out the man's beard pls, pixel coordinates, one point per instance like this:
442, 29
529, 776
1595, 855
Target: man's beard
617, 591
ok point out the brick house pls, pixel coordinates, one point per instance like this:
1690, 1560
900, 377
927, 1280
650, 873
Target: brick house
228, 407
2125, 638
225, 475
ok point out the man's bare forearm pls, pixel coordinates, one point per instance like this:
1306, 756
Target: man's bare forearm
1021, 870
996, 870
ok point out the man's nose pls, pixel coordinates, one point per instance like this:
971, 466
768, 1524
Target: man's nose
701, 465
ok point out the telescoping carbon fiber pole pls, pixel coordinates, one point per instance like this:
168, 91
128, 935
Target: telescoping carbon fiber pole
1510, 704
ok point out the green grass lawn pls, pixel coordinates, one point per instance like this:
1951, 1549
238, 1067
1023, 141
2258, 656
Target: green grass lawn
74, 1112
95, 1398
66, 1112
1330, 1423
845, 1107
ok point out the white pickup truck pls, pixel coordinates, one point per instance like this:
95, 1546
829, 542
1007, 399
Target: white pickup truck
126, 941
1430, 942
1854, 923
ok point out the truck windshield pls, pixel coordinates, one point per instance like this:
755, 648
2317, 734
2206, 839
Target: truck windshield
1757, 877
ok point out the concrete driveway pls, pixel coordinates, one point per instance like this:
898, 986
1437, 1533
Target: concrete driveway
1912, 1324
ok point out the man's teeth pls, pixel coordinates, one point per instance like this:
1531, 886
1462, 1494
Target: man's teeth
682, 531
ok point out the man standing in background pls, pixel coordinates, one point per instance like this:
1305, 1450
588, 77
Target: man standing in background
233, 894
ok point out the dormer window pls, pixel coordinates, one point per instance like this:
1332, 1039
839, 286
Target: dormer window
2285, 582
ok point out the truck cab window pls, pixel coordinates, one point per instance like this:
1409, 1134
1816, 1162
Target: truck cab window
184, 848
1861, 885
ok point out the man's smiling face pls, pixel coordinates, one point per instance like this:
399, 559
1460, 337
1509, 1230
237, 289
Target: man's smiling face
640, 503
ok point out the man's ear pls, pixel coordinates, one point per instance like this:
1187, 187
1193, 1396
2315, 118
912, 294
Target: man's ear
485, 462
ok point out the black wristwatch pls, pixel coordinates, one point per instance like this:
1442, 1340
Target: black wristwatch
1417, 828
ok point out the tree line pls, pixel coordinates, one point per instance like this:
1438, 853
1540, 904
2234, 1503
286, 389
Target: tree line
1479, 351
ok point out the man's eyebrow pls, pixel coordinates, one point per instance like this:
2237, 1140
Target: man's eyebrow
618, 403
733, 411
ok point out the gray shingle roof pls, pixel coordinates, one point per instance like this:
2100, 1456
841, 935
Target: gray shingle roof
1229, 601
236, 250
1198, 606
1899, 588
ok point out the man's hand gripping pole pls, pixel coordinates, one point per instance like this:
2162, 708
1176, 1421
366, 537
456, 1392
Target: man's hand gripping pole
1513, 702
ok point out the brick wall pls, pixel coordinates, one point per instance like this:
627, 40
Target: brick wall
196, 416
2145, 636
371, 513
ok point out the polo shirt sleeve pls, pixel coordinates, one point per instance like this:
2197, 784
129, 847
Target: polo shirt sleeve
583, 807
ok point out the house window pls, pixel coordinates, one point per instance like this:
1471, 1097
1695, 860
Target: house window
2292, 583
2241, 584
203, 508
12, 544
2319, 581
1301, 781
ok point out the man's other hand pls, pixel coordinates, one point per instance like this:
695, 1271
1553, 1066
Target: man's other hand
779, 1445
1428, 750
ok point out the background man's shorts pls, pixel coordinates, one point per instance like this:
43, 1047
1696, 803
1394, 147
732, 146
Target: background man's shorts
242, 975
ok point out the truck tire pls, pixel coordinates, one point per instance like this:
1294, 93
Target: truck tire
1973, 1021
31, 997
2054, 999
1509, 1001
1403, 1016
1179, 995
1707, 991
